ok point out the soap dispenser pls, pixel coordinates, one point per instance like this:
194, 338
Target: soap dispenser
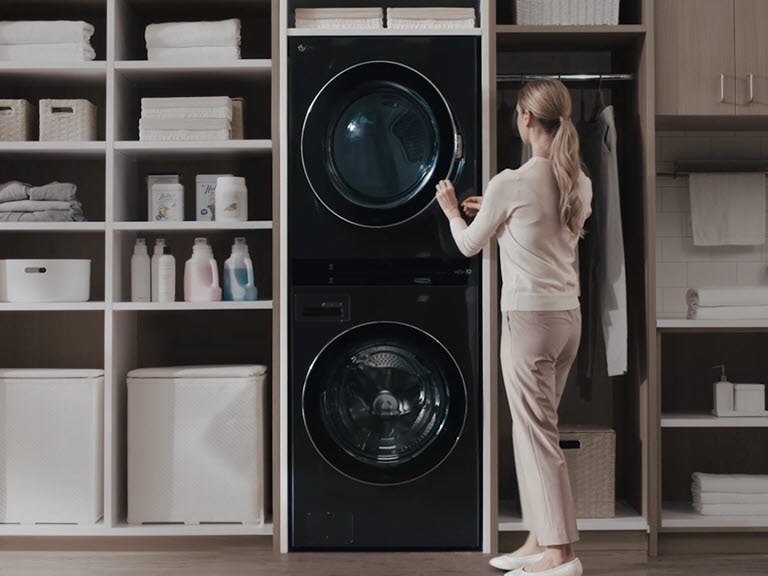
723, 394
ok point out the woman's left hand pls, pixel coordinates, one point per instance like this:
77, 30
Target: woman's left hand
446, 197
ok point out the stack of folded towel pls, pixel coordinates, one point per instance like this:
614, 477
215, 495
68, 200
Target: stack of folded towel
730, 494
340, 18
433, 17
198, 42
723, 302
186, 118
53, 202
43, 41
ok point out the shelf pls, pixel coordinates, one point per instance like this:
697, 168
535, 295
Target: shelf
191, 226
682, 324
581, 38
142, 70
137, 530
52, 227
155, 306
50, 306
314, 32
681, 515
91, 148
626, 519
711, 421
45, 73
149, 149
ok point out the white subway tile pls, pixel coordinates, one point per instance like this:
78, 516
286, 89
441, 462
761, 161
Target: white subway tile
659, 250
713, 274
673, 301
752, 273
675, 200
687, 226
659, 300
736, 253
669, 224
738, 146
671, 274
683, 250
685, 148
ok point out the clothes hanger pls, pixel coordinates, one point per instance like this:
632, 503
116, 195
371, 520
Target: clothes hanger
599, 104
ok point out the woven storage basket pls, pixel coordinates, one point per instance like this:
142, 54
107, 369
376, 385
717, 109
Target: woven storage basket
15, 120
67, 120
566, 12
591, 457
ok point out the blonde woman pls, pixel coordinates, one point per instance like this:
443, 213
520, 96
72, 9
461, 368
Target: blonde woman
537, 215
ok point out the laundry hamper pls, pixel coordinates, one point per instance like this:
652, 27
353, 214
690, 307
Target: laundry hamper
51, 446
590, 453
197, 444
15, 120
71, 120
566, 12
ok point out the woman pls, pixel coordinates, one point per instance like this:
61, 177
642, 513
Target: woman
537, 214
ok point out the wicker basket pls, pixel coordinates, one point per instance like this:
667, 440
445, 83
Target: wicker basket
591, 457
67, 120
566, 12
15, 120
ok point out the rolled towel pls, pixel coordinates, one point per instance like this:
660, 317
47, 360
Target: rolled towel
63, 52
737, 483
181, 34
44, 31
196, 54
13, 190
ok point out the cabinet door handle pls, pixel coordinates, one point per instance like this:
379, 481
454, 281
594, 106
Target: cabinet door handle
751, 88
722, 88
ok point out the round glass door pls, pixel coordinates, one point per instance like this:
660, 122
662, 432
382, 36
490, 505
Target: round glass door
384, 403
375, 141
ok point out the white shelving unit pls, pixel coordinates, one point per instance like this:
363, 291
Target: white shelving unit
681, 515
626, 519
110, 332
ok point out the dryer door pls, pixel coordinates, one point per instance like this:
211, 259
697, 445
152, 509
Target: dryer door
375, 141
384, 403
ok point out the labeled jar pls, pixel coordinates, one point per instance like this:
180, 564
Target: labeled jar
167, 203
231, 199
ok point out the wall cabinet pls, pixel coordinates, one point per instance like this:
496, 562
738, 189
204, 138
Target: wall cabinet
711, 57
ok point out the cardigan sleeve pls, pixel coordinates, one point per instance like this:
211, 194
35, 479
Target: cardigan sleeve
471, 239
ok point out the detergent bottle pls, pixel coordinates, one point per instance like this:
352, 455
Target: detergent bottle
201, 274
238, 280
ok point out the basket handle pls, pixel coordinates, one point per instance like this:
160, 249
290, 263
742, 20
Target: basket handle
570, 445
35, 270
62, 110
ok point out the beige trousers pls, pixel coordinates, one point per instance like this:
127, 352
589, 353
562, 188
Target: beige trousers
537, 351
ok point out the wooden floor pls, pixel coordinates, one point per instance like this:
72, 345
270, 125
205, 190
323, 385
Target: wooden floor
225, 559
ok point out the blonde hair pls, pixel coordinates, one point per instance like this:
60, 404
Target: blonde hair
549, 102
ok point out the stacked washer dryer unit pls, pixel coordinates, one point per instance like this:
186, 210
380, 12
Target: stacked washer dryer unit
384, 334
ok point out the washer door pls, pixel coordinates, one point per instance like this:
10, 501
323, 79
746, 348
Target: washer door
384, 403
376, 140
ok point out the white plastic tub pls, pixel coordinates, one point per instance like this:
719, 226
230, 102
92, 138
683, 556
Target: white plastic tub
46, 280
51, 446
197, 444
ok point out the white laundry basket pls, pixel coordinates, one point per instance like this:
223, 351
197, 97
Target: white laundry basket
197, 444
51, 446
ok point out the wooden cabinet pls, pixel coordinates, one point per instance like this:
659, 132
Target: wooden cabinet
711, 57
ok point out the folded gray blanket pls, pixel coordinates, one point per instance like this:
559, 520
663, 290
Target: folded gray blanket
40, 206
59, 191
42, 216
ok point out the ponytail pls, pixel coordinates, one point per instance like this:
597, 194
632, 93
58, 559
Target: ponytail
564, 153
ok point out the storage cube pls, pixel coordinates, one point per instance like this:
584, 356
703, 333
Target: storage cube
197, 444
71, 120
51, 446
566, 12
590, 453
45, 280
15, 120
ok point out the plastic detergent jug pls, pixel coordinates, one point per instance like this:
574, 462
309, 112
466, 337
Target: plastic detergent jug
237, 280
201, 274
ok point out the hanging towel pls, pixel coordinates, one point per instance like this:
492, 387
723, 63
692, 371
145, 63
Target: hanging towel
180, 34
60, 52
739, 483
196, 54
44, 31
727, 208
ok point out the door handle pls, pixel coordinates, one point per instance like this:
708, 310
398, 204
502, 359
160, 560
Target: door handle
751, 88
722, 88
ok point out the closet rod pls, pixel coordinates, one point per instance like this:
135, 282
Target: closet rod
687, 166
564, 77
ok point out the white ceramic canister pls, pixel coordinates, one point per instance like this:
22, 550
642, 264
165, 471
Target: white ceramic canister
231, 199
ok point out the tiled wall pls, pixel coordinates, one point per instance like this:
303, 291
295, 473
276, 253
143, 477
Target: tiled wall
680, 264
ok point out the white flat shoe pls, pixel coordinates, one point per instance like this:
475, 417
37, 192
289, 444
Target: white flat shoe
572, 568
509, 562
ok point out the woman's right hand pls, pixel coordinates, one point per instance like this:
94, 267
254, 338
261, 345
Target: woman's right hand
471, 205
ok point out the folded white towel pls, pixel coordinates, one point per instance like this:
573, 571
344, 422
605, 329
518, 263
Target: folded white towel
62, 52
731, 509
425, 23
205, 33
340, 23
727, 208
726, 312
727, 296
44, 31
738, 483
354, 13
196, 54
184, 135
193, 112
728, 498
431, 13
178, 102
184, 124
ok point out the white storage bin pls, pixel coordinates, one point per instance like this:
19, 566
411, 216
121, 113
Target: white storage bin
197, 444
51, 446
62, 280
566, 12
70, 120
